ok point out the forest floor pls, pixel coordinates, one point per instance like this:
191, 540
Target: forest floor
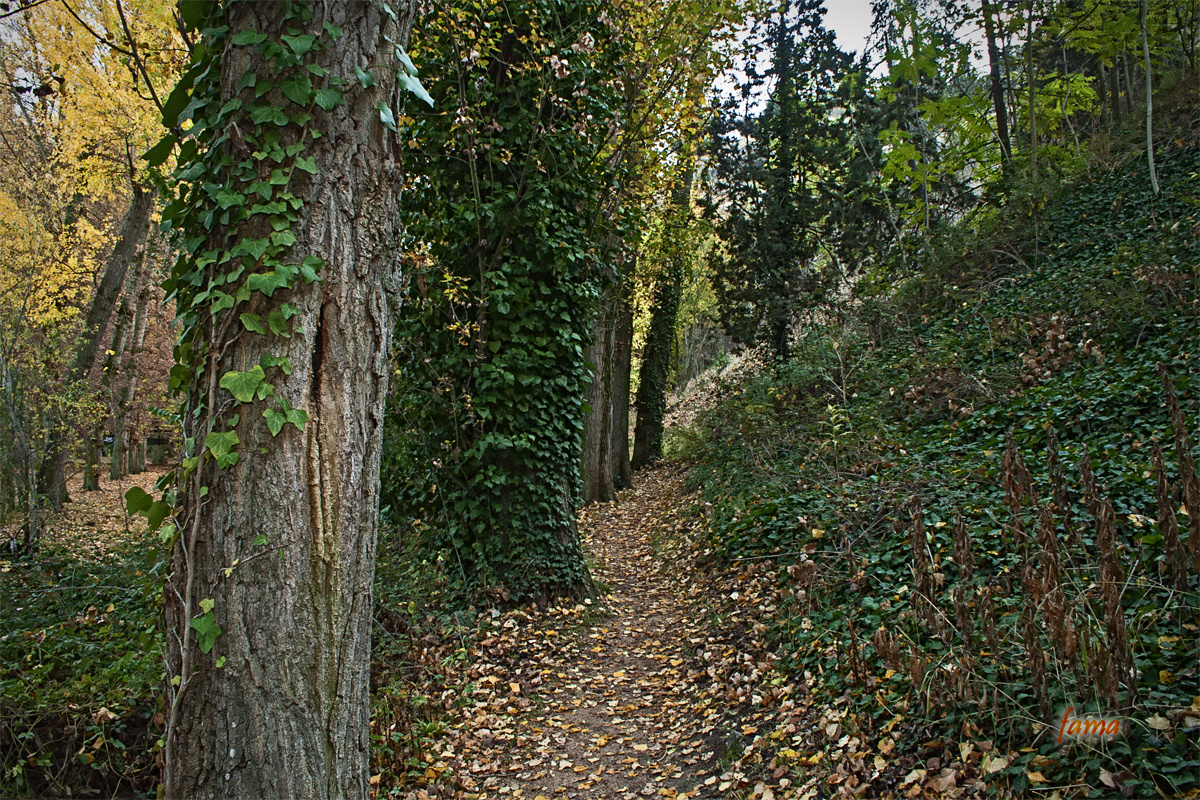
664, 687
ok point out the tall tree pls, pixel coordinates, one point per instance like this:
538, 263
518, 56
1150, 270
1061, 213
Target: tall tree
776, 176
286, 211
511, 212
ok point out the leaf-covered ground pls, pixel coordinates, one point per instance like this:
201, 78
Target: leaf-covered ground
667, 687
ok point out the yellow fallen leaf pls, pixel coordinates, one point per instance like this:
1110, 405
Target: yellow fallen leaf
1036, 777
641, 748
993, 764
376, 778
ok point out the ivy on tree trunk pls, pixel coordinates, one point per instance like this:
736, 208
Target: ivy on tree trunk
286, 210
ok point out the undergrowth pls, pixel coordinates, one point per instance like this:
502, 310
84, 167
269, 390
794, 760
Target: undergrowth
978, 497
80, 672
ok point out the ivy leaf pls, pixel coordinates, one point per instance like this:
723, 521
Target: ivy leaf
227, 198
260, 539
365, 79
298, 89
242, 385
137, 501
207, 630
268, 113
275, 420
248, 37
278, 325
161, 151
253, 323
268, 361
266, 282
412, 84
222, 443
309, 164
409, 66
248, 81
309, 268
300, 44
284, 238
386, 116
298, 417
329, 99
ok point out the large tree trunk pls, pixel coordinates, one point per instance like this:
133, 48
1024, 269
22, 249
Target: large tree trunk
287, 713
52, 476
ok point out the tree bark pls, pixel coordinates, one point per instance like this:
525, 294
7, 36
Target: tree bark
621, 380
596, 467
997, 83
287, 714
53, 473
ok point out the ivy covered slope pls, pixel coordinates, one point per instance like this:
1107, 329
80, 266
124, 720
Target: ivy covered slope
978, 488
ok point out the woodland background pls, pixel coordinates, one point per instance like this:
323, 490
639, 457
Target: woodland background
921, 323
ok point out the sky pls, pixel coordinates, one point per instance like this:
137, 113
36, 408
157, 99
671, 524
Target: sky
850, 20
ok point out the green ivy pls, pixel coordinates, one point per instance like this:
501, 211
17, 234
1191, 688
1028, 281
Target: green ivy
483, 441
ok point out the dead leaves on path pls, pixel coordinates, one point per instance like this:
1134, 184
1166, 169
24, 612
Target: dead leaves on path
667, 687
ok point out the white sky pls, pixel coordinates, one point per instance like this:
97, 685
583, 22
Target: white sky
850, 20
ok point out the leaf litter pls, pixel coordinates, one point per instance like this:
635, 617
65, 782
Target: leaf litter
668, 685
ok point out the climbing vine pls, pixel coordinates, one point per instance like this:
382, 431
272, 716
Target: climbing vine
243, 168
486, 421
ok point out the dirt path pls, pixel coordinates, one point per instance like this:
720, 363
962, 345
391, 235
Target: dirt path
619, 721
608, 699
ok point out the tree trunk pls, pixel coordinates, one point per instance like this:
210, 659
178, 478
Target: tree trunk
52, 476
656, 361
1033, 137
1102, 92
1128, 85
1149, 100
287, 714
596, 467
91, 469
997, 83
621, 379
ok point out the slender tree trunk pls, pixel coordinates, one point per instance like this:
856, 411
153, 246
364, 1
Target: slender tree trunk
287, 713
1128, 85
1149, 99
997, 83
622, 375
596, 467
656, 361
114, 370
1033, 136
1103, 92
52, 475
1114, 88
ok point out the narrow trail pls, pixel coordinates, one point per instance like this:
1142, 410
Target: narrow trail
619, 721
663, 687
629, 696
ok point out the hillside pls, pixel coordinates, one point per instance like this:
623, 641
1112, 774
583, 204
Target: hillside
975, 490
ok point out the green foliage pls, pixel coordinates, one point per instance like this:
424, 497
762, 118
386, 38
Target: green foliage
80, 675
1008, 335
484, 432
787, 202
